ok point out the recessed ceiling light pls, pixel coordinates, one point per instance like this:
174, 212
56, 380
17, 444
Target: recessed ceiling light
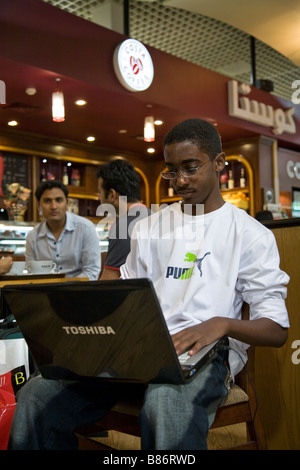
150, 150
30, 91
13, 123
122, 131
90, 138
80, 102
158, 122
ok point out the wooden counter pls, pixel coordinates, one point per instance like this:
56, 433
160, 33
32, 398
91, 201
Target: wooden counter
277, 373
37, 279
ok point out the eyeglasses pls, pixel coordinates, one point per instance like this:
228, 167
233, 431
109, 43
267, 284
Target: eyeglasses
185, 172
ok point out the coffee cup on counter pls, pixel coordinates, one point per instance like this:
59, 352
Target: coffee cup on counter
41, 267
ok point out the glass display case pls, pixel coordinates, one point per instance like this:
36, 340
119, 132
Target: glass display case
13, 237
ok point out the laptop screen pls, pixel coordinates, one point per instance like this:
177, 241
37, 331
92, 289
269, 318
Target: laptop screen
106, 329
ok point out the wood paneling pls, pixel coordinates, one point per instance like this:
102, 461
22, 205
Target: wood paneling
277, 376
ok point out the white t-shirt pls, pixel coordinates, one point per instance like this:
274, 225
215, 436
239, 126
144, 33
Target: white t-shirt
208, 265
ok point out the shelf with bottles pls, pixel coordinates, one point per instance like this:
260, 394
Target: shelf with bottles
77, 176
236, 183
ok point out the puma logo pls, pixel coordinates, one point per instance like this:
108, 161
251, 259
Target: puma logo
186, 273
192, 258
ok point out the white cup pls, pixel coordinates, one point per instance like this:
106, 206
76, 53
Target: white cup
17, 268
41, 267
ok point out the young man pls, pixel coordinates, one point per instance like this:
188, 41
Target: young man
229, 258
67, 239
226, 258
119, 193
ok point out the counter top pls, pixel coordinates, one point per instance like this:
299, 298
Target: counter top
28, 277
281, 223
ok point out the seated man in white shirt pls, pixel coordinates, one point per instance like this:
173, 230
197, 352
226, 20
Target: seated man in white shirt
67, 239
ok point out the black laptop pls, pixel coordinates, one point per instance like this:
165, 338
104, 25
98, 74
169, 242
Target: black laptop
103, 330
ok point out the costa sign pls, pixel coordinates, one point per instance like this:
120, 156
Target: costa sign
133, 65
293, 169
242, 107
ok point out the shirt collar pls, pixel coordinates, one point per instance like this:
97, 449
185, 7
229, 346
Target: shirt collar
69, 225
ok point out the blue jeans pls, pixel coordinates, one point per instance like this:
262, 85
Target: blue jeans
173, 417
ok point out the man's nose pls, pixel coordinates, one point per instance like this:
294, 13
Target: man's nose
181, 179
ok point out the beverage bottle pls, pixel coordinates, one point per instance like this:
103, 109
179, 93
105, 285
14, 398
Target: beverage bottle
242, 178
65, 178
224, 180
43, 175
170, 190
230, 180
75, 177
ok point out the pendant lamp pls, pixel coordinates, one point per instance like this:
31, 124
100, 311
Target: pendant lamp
149, 129
58, 107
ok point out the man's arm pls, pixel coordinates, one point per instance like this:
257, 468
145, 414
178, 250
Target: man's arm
110, 274
91, 254
30, 254
260, 332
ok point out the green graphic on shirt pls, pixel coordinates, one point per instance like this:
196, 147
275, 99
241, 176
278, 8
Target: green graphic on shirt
186, 273
193, 258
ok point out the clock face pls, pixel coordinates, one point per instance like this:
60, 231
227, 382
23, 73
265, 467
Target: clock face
133, 65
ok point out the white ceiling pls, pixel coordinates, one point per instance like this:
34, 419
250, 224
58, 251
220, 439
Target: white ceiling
215, 34
275, 22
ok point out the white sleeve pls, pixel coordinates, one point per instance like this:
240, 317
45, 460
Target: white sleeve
261, 282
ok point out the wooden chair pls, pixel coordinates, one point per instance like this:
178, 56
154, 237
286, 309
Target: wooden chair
240, 406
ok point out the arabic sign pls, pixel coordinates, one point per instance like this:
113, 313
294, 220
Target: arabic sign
133, 65
280, 120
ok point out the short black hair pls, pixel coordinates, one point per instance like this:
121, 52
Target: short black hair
50, 184
121, 176
199, 132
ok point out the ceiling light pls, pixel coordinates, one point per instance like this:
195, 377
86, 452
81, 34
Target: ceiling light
149, 129
150, 150
58, 107
13, 123
90, 138
30, 91
158, 122
80, 102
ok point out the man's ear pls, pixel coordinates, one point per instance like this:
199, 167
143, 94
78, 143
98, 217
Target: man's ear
219, 162
113, 195
40, 210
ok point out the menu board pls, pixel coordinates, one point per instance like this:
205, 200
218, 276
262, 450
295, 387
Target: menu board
13, 169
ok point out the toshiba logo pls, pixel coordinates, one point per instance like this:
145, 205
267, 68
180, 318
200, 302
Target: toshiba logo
89, 330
